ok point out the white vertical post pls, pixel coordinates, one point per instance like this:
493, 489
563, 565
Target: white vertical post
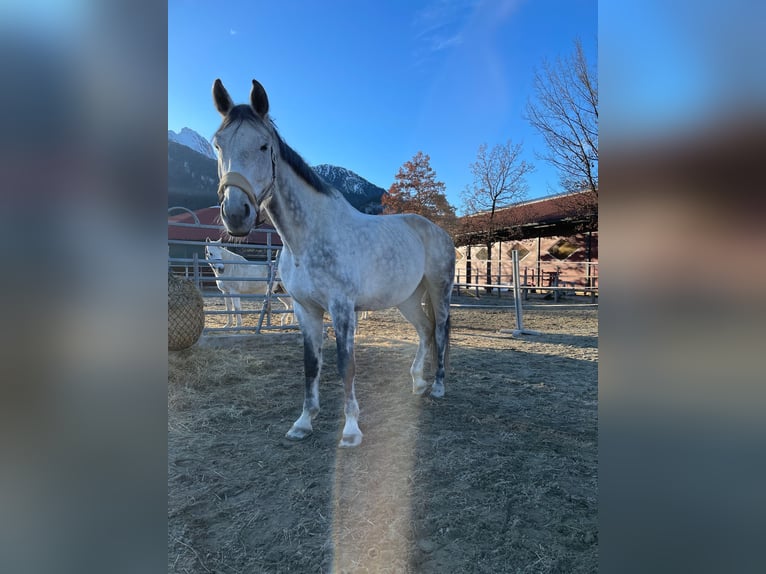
519, 330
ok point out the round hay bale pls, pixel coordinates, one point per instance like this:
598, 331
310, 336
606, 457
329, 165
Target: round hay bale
186, 316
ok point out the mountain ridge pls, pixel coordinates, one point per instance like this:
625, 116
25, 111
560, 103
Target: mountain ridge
192, 140
193, 176
360, 193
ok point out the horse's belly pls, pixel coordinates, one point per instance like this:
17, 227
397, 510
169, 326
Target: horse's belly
384, 295
378, 278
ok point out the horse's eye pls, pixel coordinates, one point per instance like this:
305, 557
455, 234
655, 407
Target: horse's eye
264, 147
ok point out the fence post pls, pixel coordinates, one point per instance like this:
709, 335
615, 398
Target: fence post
468, 265
519, 330
592, 284
526, 284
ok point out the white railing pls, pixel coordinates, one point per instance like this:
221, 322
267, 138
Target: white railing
546, 277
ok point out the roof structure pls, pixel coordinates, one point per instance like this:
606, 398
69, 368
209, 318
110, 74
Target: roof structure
203, 223
563, 214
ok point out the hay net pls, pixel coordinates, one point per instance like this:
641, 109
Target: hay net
186, 315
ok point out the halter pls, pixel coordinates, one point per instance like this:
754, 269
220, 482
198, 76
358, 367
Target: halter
236, 179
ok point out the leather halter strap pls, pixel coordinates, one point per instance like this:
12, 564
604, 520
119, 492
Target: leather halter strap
235, 179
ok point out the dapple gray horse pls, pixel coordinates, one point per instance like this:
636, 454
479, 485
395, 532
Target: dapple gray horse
335, 258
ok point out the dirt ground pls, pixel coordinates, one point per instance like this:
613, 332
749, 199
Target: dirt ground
498, 476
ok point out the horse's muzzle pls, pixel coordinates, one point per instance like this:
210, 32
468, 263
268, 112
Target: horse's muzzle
239, 208
237, 213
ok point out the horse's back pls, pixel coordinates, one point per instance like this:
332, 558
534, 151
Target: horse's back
438, 245
426, 228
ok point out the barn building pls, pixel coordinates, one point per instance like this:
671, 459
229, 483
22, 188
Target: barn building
556, 236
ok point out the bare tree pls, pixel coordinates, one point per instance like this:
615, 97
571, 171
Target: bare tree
499, 179
565, 112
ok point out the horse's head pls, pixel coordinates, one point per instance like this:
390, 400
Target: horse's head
248, 149
214, 255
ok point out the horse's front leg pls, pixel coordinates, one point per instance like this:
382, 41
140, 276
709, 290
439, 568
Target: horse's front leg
344, 323
229, 309
237, 310
311, 327
284, 316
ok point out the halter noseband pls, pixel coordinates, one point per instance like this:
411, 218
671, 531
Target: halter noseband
236, 179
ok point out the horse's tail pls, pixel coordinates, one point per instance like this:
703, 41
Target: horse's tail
447, 330
431, 314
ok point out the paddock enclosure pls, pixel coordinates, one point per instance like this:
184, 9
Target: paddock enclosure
187, 234
498, 476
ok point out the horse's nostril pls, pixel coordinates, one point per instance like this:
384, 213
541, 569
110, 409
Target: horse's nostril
247, 210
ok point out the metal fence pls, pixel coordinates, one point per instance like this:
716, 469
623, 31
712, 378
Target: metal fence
552, 279
259, 312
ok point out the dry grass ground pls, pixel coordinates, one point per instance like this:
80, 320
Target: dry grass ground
499, 476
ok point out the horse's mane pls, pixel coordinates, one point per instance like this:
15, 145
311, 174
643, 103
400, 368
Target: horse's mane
244, 113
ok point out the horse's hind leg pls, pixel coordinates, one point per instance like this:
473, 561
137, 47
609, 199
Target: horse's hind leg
311, 327
440, 295
412, 309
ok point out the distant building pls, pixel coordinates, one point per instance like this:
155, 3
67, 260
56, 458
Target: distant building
556, 236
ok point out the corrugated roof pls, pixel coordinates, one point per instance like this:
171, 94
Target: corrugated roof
562, 213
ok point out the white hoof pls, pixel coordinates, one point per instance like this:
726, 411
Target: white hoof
298, 433
350, 440
419, 387
437, 391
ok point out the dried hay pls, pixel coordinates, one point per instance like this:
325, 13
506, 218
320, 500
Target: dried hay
500, 476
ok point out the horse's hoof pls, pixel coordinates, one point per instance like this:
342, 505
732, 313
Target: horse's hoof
419, 389
437, 391
297, 433
350, 440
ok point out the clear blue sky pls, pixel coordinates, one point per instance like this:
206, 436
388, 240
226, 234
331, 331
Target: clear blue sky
366, 84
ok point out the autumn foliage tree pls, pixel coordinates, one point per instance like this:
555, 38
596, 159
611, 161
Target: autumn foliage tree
416, 190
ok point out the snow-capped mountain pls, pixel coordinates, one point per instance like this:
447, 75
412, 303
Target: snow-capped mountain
193, 140
362, 194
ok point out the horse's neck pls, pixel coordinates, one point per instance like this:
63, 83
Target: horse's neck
230, 257
300, 213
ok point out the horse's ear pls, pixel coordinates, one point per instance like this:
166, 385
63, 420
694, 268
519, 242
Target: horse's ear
258, 99
221, 98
